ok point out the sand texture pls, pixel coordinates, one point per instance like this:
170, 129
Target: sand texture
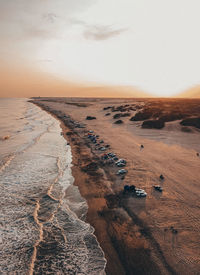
158, 234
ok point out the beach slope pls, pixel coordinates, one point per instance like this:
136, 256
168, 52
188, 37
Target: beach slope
156, 234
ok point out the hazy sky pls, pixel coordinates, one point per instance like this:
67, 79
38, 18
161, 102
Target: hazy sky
151, 44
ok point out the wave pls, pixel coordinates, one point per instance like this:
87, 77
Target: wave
43, 228
6, 161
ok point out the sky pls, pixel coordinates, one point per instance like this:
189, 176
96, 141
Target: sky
151, 45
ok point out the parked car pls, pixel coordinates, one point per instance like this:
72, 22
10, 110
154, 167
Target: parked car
112, 155
158, 188
122, 160
120, 164
121, 172
140, 192
107, 145
105, 156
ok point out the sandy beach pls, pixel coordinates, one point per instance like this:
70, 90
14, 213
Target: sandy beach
158, 234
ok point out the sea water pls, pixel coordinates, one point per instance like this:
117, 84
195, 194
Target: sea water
42, 227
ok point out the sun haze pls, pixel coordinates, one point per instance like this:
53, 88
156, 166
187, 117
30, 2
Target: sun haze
47, 46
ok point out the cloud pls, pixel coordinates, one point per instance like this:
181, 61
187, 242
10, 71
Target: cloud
50, 17
102, 32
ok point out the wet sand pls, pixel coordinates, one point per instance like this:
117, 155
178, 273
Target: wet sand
158, 234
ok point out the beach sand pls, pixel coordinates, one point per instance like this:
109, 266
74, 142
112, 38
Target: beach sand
158, 234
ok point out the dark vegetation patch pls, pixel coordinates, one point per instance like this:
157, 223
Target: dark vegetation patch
172, 116
113, 200
142, 115
150, 124
125, 114
69, 133
78, 104
117, 116
186, 129
195, 122
166, 110
90, 117
91, 168
124, 108
119, 121
121, 115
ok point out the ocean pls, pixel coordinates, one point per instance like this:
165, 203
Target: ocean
42, 214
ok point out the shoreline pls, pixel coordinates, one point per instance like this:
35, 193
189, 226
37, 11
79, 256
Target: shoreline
118, 233
80, 156
136, 234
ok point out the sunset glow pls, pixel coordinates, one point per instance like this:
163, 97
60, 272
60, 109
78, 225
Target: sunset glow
150, 45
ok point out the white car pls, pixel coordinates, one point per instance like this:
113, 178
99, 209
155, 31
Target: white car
140, 192
122, 160
120, 164
121, 171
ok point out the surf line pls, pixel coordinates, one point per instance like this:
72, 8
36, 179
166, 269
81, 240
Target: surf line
7, 162
49, 192
40, 225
